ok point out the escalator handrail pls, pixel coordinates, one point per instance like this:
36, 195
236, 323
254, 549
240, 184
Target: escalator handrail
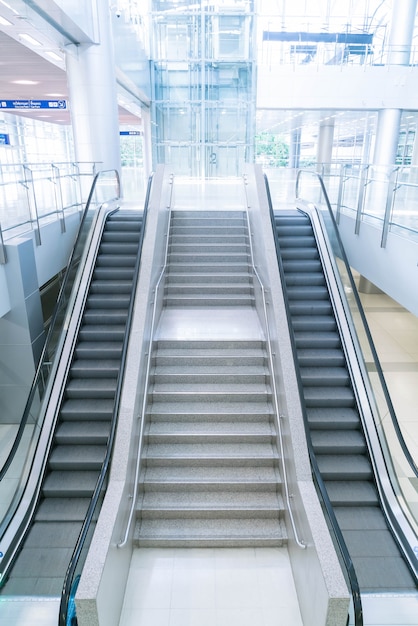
365, 325
69, 576
51, 329
348, 563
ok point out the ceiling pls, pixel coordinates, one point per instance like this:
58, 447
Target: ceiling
21, 63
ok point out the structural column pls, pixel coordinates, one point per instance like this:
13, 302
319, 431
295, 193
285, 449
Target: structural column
400, 41
294, 148
325, 143
93, 96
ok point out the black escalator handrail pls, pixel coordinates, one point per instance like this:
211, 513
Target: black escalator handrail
360, 310
69, 576
51, 329
348, 563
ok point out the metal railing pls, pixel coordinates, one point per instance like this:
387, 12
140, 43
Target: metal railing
336, 53
34, 193
383, 195
299, 541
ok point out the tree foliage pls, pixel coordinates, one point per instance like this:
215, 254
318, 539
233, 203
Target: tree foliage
271, 149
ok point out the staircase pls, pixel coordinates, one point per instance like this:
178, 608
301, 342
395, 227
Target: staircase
80, 440
208, 260
210, 472
335, 426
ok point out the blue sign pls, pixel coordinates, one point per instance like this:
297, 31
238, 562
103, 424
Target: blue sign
4, 139
33, 104
130, 132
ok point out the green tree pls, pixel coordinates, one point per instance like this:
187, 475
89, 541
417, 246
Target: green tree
271, 149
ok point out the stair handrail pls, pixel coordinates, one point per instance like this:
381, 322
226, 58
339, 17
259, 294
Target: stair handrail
351, 573
299, 541
68, 584
124, 541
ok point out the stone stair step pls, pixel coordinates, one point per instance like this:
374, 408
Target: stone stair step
216, 532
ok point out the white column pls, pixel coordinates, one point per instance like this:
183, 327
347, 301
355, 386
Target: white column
325, 142
294, 147
93, 96
387, 136
146, 126
401, 31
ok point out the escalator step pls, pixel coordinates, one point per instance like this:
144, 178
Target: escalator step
89, 368
335, 418
316, 340
304, 279
309, 293
75, 484
102, 332
82, 432
98, 388
113, 273
352, 493
340, 467
299, 241
316, 376
101, 317
326, 357
97, 409
76, 457
62, 509
111, 287
314, 323
99, 301
114, 260
319, 307
338, 442
98, 350
329, 397
121, 248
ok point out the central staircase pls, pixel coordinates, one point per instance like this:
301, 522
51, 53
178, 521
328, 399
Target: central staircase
210, 472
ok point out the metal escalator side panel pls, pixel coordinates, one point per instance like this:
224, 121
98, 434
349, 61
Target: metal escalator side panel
34, 466
390, 494
347, 400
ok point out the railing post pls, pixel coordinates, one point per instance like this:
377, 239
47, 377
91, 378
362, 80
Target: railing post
361, 194
343, 167
56, 179
392, 187
33, 209
3, 254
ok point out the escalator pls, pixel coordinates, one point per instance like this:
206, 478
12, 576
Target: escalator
85, 417
333, 414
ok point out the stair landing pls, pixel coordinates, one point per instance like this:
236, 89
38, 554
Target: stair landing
210, 324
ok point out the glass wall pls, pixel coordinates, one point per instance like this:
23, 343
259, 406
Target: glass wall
204, 86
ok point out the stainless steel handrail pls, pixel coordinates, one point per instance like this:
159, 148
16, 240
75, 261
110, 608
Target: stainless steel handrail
124, 541
299, 542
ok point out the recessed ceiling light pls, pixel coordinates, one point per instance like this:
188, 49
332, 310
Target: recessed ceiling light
54, 55
9, 7
30, 39
5, 22
25, 82
55, 95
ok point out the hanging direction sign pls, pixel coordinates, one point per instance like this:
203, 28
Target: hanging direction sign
33, 104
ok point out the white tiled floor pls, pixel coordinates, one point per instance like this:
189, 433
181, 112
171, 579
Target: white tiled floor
210, 587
